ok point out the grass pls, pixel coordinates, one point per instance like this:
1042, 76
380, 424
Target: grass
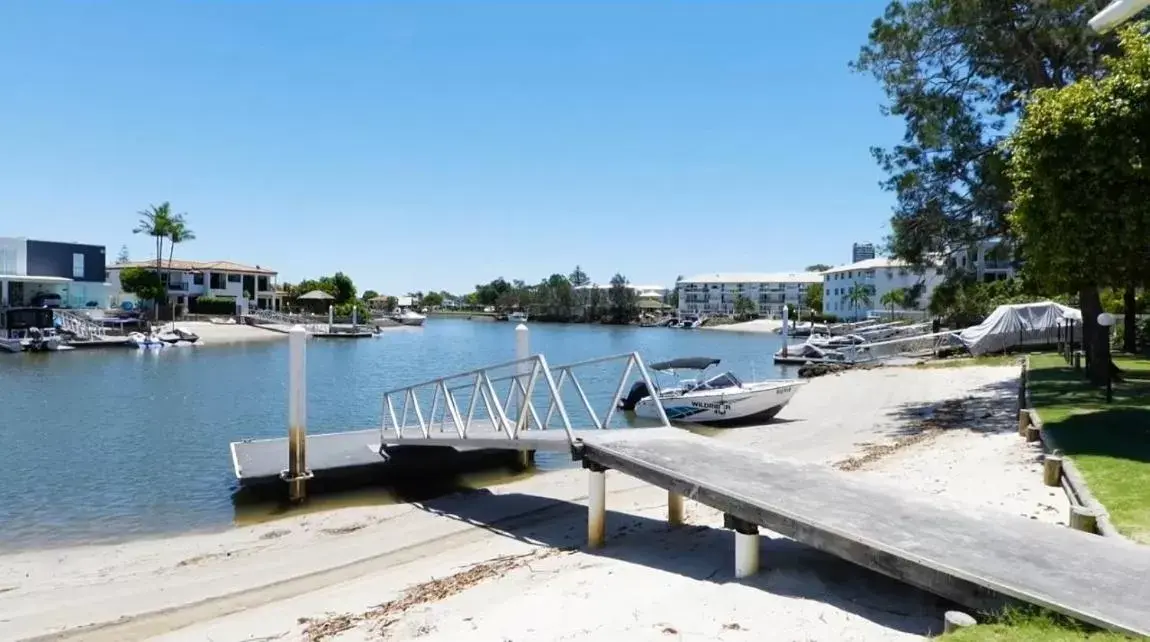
1031, 626
984, 360
1109, 443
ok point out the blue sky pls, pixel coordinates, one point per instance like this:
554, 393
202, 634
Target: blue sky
430, 145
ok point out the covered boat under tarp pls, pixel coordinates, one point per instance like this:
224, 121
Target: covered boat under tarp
1016, 325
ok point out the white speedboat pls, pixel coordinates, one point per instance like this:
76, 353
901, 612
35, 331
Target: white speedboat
11, 345
408, 317
720, 399
174, 335
519, 317
141, 340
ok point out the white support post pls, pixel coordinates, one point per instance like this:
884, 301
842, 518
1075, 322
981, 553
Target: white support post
596, 507
786, 330
330, 317
746, 545
297, 472
522, 371
354, 318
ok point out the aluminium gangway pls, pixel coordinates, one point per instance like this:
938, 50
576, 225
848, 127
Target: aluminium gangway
982, 559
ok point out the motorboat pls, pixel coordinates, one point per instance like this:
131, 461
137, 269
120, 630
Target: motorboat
11, 345
30, 330
175, 335
141, 340
44, 340
409, 317
716, 400
520, 317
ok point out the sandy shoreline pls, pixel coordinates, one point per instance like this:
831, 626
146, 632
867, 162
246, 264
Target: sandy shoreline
212, 334
328, 573
757, 325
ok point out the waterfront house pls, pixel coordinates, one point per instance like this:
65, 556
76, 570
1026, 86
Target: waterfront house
188, 280
715, 294
987, 261
878, 276
52, 273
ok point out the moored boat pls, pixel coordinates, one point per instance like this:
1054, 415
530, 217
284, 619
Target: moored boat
409, 317
716, 400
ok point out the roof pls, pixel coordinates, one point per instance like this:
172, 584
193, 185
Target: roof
317, 295
757, 277
193, 266
869, 264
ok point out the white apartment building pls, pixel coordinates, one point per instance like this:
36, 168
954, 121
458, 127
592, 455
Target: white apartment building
879, 276
218, 279
989, 260
715, 294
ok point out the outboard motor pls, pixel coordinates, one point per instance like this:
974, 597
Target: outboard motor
638, 391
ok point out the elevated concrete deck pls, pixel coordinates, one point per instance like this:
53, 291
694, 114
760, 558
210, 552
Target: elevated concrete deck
981, 561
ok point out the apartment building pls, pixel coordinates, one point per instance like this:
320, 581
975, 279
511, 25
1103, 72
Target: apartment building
989, 260
877, 276
715, 294
52, 273
862, 252
218, 279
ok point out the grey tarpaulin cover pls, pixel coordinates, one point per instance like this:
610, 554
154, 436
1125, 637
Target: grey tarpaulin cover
1017, 324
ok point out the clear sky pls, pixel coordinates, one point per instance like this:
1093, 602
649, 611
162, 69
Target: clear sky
431, 145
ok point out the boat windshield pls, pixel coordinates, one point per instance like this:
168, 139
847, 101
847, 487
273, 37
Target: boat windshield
724, 380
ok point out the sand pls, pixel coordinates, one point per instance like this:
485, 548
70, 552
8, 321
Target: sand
506, 563
212, 334
757, 325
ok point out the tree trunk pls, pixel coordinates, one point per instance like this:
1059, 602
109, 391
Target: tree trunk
1130, 324
1095, 342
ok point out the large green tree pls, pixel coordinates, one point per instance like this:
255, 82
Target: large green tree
623, 303
955, 72
1080, 168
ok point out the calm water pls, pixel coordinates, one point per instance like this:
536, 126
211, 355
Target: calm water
108, 445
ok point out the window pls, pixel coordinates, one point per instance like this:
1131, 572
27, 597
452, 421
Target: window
234, 278
77, 265
217, 281
198, 278
262, 284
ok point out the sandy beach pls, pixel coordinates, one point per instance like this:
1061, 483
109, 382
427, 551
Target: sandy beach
757, 325
212, 334
507, 563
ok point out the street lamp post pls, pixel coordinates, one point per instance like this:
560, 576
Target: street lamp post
1106, 320
1116, 13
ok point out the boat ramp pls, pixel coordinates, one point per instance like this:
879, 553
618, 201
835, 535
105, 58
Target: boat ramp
982, 561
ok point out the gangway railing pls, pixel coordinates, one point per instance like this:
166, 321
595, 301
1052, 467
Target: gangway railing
80, 325
501, 400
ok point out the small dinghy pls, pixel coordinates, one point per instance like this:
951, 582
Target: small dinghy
717, 400
141, 340
173, 336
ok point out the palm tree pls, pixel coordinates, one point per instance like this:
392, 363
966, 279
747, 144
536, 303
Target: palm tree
156, 221
178, 232
891, 300
857, 295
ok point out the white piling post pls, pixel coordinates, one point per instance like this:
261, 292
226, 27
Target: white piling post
674, 508
330, 317
523, 370
786, 330
596, 507
746, 554
354, 318
297, 472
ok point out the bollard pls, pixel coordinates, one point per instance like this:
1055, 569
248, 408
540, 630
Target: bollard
746, 545
1052, 469
297, 472
1083, 519
786, 330
1023, 421
954, 620
1033, 434
330, 318
596, 505
522, 371
674, 508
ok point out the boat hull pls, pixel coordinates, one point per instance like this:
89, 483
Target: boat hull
754, 403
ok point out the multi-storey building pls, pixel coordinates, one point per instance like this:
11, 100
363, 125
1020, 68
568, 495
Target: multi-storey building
52, 273
715, 294
862, 252
989, 260
218, 279
876, 277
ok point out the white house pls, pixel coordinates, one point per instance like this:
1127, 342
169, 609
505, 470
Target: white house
878, 276
715, 294
989, 260
218, 279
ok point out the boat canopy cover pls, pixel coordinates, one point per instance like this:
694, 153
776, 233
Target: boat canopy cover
1019, 324
685, 363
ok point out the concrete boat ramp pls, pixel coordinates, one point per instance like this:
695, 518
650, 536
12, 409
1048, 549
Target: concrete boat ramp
981, 560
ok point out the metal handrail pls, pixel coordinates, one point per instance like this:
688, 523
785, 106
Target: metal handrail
402, 404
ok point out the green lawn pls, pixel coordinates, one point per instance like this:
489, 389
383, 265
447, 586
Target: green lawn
1018, 627
1110, 443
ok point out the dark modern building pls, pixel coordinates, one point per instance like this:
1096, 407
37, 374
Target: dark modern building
862, 252
52, 273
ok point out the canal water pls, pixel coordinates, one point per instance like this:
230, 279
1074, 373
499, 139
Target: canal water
101, 446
